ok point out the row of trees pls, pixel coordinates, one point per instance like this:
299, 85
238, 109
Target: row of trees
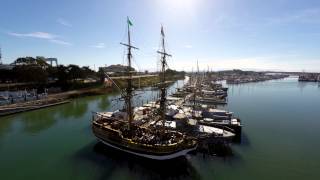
39, 60
170, 73
36, 70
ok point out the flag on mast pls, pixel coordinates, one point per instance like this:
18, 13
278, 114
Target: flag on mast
162, 32
129, 22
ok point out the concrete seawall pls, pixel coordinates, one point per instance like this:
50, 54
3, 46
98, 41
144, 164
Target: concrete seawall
9, 111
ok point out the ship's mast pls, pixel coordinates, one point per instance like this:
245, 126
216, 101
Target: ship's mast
128, 92
198, 73
163, 61
0, 56
196, 85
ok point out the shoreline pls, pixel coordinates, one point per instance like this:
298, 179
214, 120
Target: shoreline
51, 100
66, 97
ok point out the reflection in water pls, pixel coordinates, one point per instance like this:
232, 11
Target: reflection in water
107, 161
245, 141
37, 121
76, 109
104, 103
5, 125
275, 114
109, 102
302, 85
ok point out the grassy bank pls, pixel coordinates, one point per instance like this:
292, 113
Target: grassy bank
98, 89
145, 81
86, 92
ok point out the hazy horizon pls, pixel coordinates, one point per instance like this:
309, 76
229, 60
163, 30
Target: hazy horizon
277, 35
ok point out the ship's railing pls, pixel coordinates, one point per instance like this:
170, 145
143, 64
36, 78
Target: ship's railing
160, 148
98, 115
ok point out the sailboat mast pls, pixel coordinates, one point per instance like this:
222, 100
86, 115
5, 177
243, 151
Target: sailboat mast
129, 89
163, 80
163, 77
163, 60
0, 56
196, 85
129, 82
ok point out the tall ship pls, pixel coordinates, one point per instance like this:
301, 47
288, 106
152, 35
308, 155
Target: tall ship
120, 130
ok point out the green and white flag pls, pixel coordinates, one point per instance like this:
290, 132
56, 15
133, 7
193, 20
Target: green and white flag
129, 22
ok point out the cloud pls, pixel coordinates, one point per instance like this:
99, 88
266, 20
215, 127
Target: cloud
64, 22
99, 46
57, 41
188, 46
41, 35
311, 16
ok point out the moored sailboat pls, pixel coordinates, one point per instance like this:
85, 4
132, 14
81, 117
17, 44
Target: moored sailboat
118, 129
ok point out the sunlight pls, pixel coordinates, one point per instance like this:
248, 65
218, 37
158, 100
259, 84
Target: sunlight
181, 6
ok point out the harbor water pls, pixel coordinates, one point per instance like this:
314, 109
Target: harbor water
280, 139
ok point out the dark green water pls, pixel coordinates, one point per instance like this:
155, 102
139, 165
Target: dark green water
280, 140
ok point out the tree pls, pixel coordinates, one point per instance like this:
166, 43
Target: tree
29, 73
61, 74
87, 72
41, 61
7, 75
101, 74
74, 72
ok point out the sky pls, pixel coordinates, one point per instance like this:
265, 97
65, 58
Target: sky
279, 35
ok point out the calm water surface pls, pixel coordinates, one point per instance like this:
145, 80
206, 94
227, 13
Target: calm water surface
280, 140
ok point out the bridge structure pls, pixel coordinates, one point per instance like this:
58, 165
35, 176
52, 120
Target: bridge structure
52, 60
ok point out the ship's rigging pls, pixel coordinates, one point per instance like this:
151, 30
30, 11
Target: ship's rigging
129, 89
163, 89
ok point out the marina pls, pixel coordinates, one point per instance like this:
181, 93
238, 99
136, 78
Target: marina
159, 90
121, 129
260, 151
165, 130
183, 121
309, 77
